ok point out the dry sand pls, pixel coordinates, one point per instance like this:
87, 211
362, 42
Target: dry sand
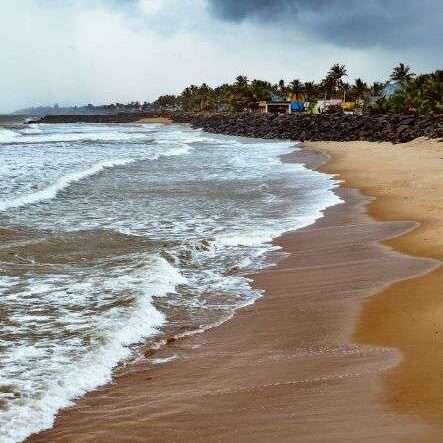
163, 120
407, 181
288, 369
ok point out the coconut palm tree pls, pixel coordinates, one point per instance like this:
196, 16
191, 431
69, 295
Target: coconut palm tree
346, 89
240, 95
377, 88
334, 79
296, 87
205, 96
423, 94
311, 91
337, 72
432, 93
166, 101
261, 90
242, 81
282, 89
402, 73
359, 89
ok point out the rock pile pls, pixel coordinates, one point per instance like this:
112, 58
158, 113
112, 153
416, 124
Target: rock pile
123, 117
393, 128
323, 127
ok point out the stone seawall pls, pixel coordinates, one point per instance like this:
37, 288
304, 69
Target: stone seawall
325, 127
123, 117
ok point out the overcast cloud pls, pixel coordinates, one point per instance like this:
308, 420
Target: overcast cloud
101, 51
352, 23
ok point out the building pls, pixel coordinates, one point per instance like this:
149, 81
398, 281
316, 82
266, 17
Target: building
275, 107
325, 105
281, 106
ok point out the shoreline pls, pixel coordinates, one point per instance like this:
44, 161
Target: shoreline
285, 367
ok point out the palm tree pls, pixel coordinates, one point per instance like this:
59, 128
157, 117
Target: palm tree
242, 81
432, 93
296, 87
346, 88
402, 73
359, 89
281, 89
261, 90
241, 96
337, 72
423, 94
311, 91
205, 94
222, 96
334, 79
377, 88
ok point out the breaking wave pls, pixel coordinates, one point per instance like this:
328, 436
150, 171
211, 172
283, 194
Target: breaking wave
64, 381
8, 136
62, 183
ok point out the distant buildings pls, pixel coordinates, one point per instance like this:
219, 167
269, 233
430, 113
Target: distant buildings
278, 105
296, 103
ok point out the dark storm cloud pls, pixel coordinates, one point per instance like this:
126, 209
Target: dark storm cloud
385, 23
262, 9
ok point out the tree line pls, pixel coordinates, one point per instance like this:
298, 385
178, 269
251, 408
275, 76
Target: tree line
403, 92
408, 93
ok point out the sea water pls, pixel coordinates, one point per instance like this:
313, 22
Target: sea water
112, 233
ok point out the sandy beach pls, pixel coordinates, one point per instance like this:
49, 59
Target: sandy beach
406, 181
163, 120
345, 346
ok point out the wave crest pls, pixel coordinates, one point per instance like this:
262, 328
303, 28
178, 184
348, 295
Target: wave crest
62, 183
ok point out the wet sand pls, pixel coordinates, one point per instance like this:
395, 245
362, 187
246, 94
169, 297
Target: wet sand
288, 369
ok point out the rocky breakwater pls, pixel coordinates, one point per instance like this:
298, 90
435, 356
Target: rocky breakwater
323, 127
123, 117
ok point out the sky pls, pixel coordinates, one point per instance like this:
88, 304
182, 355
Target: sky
103, 51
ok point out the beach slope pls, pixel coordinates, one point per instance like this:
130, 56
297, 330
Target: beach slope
292, 367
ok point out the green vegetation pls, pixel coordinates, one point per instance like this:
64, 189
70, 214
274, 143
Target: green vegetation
421, 94
404, 92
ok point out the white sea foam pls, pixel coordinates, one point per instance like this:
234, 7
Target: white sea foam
178, 149
50, 192
213, 211
32, 129
62, 183
258, 235
38, 137
57, 381
8, 136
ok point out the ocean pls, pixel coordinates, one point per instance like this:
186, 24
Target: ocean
115, 237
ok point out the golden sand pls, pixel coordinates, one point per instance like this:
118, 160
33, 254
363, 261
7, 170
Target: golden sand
407, 182
163, 120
